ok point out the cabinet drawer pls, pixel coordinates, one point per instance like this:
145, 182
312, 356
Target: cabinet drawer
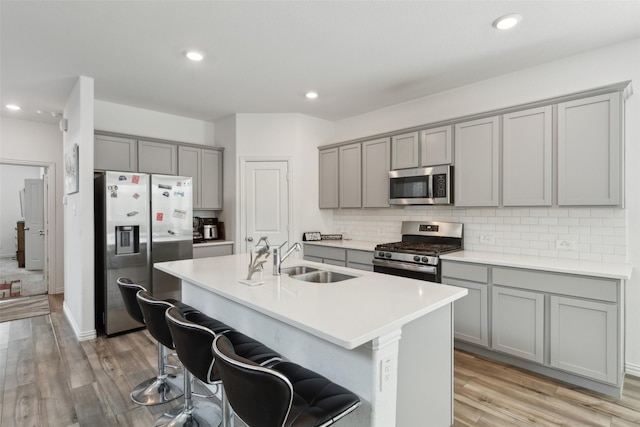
325, 252
458, 270
361, 257
579, 286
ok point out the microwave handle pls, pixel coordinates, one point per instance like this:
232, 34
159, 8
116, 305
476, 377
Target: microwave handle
430, 186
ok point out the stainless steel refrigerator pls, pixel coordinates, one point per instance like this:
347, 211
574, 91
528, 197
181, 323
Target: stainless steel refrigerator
171, 229
122, 249
139, 219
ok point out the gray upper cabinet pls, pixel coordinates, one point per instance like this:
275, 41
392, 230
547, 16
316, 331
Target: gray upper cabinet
157, 157
350, 176
375, 173
589, 151
477, 159
211, 179
205, 167
328, 192
115, 154
436, 146
526, 157
405, 151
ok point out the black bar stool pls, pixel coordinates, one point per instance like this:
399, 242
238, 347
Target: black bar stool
193, 334
158, 389
285, 394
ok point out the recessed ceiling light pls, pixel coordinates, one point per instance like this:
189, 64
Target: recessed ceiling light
194, 56
311, 95
507, 21
13, 107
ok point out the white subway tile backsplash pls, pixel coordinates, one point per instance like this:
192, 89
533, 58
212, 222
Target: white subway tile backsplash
599, 233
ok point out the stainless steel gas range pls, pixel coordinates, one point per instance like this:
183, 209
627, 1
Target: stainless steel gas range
418, 254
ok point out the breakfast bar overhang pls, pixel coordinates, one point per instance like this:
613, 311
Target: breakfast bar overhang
386, 338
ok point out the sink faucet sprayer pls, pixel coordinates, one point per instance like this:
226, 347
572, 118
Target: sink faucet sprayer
278, 260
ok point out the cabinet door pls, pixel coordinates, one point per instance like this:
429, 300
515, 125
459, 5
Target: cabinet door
115, 154
157, 157
517, 323
470, 313
189, 160
436, 146
589, 151
584, 338
404, 151
350, 176
328, 192
477, 154
526, 157
211, 179
375, 173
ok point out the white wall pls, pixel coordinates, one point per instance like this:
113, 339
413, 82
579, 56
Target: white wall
285, 135
79, 292
11, 182
24, 141
593, 69
140, 122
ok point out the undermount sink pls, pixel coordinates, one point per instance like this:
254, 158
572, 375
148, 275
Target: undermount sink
322, 276
298, 269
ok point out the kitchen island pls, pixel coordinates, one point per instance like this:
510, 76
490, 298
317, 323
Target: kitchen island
386, 338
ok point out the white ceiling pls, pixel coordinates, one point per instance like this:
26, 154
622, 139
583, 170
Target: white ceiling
262, 56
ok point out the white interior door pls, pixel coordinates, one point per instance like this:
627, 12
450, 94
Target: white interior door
34, 224
266, 201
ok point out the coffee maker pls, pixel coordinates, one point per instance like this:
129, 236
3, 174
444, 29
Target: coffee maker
209, 229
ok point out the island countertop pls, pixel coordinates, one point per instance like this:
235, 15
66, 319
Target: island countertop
347, 313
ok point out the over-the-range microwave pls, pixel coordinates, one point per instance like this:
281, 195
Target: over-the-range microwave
421, 186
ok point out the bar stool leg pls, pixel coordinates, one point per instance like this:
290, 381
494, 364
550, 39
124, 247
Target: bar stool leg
157, 390
228, 420
193, 413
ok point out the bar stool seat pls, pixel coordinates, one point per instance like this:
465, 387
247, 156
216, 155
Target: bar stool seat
159, 389
193, 334
285, 394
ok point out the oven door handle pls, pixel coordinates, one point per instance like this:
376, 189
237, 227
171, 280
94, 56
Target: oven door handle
405, 266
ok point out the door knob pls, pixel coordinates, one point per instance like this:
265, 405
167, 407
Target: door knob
249, 239
27, 228
41, 232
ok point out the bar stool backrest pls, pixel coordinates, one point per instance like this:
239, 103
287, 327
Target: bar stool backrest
192, 343
128, 289
153, 310
261, 397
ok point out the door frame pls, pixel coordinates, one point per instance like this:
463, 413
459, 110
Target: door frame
242, 203
50, 237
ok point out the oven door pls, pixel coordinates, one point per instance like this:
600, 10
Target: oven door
428, 273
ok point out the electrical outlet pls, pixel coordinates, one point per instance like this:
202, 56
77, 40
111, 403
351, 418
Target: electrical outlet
386, 370
567, 245
487, 239
381, 232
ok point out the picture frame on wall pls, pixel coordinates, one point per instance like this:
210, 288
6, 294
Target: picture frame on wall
71, 170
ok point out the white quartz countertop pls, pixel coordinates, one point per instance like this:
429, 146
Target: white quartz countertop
213, 243
345, 244
347, 313
587, 268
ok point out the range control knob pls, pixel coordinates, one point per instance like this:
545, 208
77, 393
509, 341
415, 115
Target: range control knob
381, 254
416, 258
425, 259
387, 255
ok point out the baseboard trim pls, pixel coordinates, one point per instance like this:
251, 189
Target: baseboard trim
633, 369
84, 336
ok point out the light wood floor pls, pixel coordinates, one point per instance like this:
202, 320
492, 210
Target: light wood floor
48, 378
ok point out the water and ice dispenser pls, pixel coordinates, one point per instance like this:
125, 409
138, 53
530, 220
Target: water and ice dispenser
127, 239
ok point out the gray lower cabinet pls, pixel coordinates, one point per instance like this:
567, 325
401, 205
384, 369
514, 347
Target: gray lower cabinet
157, 157
584, 337
352, 258
471, 321
211, 251
112, 153
517, 323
